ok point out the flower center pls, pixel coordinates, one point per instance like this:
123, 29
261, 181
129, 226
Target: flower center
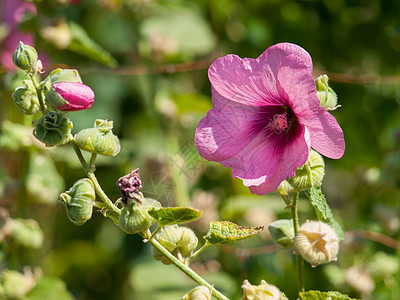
282, 122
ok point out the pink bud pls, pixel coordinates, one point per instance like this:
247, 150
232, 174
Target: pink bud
77, 96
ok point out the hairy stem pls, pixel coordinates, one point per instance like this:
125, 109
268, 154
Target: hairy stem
299, 259
187, 270
38, 92
204, 247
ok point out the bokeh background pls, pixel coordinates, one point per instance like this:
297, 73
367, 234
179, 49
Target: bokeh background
147, 62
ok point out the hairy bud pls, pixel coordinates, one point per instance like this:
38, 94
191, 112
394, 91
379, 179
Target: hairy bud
53, 129
25, 57
198, 293
263, 291
25, 98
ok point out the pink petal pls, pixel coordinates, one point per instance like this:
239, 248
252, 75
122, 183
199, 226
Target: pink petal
298, 88
295, 155
75, 93
225, 130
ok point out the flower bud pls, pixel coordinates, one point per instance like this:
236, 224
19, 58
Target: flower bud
325, 93
129, 186
60, 75
310, 174
70, 96
180, 241
198, 293
53, 129
79, 201
25, 57
282, 233
135, 218
99, 139
27, 233
25, 98
317, 242
263, 291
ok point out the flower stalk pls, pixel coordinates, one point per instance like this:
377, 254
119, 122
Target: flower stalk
299, 259
38, 91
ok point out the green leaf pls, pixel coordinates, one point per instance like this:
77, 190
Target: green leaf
81, 43
225, 232
48, 288
322, 209
174, 215
317, 295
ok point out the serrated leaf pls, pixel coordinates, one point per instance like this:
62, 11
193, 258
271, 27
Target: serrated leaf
225, 232
48, 288
174, 215
81, 43
318, 295
322, 209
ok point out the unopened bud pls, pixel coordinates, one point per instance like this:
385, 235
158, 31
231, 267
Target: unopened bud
100, 139
310, 174
25, 98
60, 75
325, 93
282, 233
135, 218
129, 186
25, 57
180, 241
317, 242
79, 201
263, 291
70, 96
53, 129
198, 293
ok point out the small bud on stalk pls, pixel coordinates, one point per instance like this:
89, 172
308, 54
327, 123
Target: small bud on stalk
263, 291
100, 139
317, 243
326, 95
53, 129
180, 241
79, 201
25, 57
25, 98
198, 293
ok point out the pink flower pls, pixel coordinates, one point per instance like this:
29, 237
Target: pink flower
266, 117
71, 96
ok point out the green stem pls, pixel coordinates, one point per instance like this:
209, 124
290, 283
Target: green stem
204, 247
92, 161
38, 92
299, 259
155, 232
89, 172
187, 270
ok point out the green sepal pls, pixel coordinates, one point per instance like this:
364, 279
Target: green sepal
53, 129
323, 211
225, 232
174, 215
318, 295
282, 233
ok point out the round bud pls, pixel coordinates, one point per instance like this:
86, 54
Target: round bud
282, 233
53, 129
317, 243
263, 291
180, 241
100, 139
79, 201
60, 75
135, 218
25, 57
198, 293
325, 93
25, 98
70, 96
308, 175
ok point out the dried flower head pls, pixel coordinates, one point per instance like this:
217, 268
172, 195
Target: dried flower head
129, 186
263, 291
317, 242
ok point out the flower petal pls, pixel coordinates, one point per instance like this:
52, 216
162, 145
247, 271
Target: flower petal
225, 130
295, 155
297, 87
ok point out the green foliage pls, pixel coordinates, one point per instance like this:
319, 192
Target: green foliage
48, 288
318, 295
174, 215
225, 232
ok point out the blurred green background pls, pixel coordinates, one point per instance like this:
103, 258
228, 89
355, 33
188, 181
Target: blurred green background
147, 62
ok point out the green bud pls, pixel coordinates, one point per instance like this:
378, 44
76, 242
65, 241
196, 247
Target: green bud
99, 139
282, 233
14, 285
25, 98
27, 233
25, 57
79, 201
135, 218
53, 129
60, 75
263, 291
325, 93
310, 174
180, 241
198, 293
